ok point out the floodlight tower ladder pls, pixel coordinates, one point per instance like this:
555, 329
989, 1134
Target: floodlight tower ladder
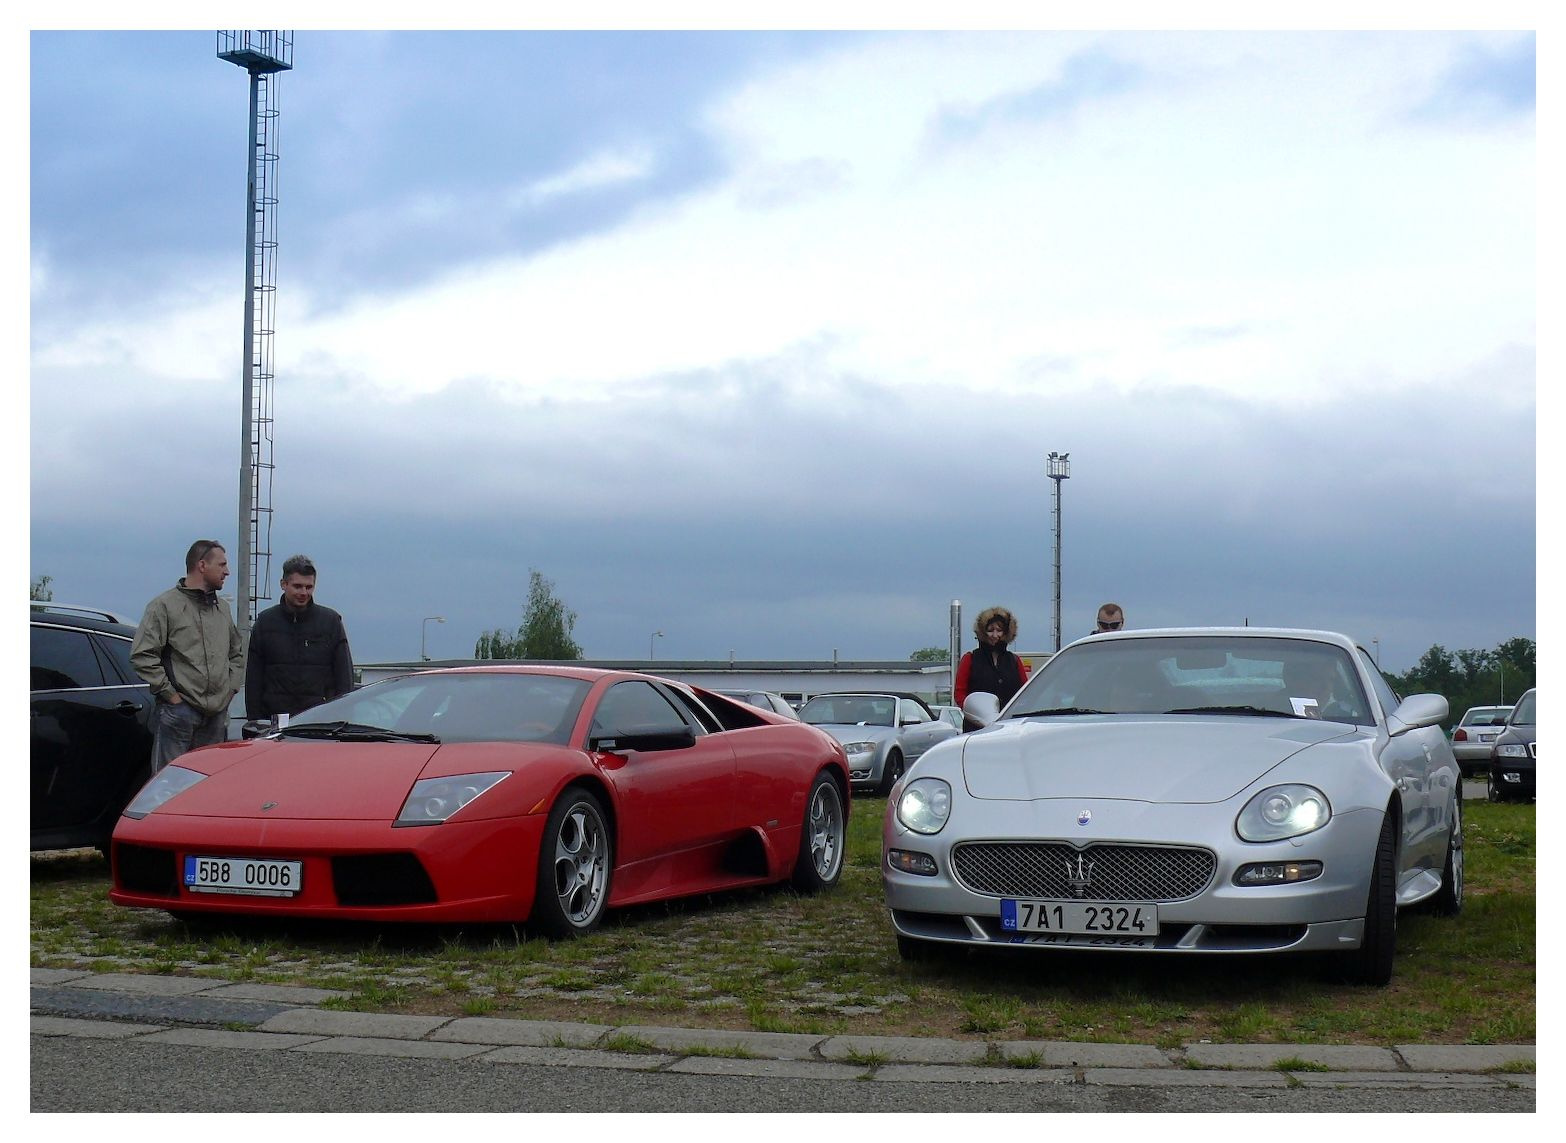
263, 54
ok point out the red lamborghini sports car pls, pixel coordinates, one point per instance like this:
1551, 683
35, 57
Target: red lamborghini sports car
536, 794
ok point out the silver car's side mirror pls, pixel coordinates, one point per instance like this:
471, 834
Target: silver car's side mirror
982, 707
1416, 711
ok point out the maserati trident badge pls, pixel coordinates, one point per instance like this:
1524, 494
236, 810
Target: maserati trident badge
1084, 817
1080, 877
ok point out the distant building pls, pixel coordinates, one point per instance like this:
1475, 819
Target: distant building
795, 681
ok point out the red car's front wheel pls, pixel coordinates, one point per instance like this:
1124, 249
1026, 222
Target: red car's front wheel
574, 867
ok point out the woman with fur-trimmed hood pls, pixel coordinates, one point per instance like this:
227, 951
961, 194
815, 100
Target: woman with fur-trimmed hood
990, 666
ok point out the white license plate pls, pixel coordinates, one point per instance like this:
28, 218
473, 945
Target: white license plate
1088, 918
255, 877
1487, 738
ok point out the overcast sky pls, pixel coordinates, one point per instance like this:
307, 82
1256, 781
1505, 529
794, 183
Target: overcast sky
761, 340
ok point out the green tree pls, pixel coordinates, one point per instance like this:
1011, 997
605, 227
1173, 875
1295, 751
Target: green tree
545, 632
40, 589
1472, 677
929, 655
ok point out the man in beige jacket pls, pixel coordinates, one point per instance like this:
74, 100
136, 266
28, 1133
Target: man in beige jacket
189, 652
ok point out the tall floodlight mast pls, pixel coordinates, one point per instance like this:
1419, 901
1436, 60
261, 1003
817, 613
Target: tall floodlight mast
263, 54
1059, 470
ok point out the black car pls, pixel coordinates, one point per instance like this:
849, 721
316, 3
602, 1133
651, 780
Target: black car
91, 723
1515, 751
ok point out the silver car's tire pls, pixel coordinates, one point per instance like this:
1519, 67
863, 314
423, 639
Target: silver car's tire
1371, 963
821, 838
890, 772
575, 865
1448, 900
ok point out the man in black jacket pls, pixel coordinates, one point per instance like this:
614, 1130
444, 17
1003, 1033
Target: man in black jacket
299, 654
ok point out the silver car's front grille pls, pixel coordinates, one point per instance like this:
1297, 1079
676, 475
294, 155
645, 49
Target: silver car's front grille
1101, 872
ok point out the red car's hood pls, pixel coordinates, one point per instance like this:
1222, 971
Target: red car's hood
363, 781
1189, 758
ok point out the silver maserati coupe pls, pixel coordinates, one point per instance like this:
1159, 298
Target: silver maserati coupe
1195, 790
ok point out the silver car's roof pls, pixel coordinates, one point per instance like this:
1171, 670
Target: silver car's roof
1225, 632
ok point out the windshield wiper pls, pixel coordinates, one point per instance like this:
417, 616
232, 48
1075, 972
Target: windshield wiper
1057, 710
355, 732
1258, 710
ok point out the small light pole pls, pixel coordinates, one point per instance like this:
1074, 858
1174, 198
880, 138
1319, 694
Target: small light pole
424, 630
1059, 470
1376, 643
650, 638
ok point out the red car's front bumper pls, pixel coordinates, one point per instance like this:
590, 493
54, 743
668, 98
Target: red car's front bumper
458, 871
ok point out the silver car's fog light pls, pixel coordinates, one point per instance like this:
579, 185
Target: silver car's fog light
1277, 873
925, 805
170, 780
433, 800
1281, 812
905, 861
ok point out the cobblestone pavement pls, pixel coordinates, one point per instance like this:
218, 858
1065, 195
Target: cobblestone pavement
201, 1012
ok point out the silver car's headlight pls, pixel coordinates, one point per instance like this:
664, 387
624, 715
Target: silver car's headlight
1281, 812
169, 781
1512, 750
433, 800
852, 748
925, 805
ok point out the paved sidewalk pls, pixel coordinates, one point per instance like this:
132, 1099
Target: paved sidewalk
204, 1013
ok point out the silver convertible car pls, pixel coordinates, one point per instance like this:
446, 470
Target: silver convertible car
883, 734
1201, 790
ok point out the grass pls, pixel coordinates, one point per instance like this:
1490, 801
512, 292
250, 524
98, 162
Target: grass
771, 960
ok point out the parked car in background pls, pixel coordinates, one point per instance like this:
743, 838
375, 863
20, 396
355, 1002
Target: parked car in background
951, 714
766, 700
1514, 753
90, 719
883, 734
1222, 790
544, 795
1473, 734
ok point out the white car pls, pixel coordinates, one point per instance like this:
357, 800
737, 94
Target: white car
1220, 790
1472, 736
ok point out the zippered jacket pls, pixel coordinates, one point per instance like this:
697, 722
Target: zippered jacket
187, 643
297, 659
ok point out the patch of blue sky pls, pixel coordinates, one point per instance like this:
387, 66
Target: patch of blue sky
1084, 79
1486, 81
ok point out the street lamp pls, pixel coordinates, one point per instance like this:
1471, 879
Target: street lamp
1059, 470
650, 638
424, 629
1376, 643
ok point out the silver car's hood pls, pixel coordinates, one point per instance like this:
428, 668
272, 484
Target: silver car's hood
1184, 758
846, 732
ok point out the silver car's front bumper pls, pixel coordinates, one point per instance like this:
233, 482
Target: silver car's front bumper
1322, 914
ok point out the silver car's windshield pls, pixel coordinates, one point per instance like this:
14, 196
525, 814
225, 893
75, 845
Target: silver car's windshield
1199, 674
867, 710
476, 707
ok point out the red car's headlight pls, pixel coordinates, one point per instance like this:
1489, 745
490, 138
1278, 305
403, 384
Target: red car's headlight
433, 800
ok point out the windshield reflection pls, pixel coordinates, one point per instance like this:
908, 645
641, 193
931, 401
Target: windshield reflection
459, 707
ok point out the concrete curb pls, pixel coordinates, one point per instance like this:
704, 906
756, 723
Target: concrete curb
67, 1003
